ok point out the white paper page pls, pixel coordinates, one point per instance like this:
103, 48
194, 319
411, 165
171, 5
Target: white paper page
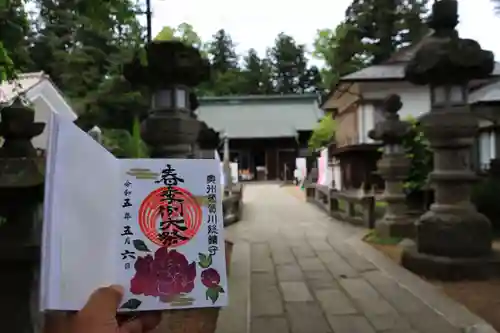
171, 274
49, 257
81, 217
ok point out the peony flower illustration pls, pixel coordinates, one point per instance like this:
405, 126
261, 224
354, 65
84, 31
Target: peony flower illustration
166, 275
210, 278
144, 281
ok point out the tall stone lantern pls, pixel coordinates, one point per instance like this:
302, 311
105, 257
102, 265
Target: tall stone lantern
170, 69
21, 195
453, 239
393, 167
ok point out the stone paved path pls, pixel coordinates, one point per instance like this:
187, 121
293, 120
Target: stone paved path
296, 270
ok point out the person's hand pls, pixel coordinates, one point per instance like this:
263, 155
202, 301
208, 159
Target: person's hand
99, 315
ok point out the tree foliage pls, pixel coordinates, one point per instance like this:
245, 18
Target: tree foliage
289, 71
370, 33
485, 197
222, 52
14, 32
383, 26
6, 65
323, 133
417, 149
83, 46
124, 144
338, 49
257, 74
183, 32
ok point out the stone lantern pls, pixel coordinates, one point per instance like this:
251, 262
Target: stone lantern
170, 69
393, 167
453, 239
21, 195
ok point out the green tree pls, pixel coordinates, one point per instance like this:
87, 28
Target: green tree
124, 144
222, 52
226, 76
289, 71
323, 133
417, 149
184, 32
289, 64
312, 81
383, 26
371, 32
7, 71
256, 74
339, 49
230, 82
83, 46
252, 72
15, 29
267, 86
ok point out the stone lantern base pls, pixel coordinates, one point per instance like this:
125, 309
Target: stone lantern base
397, 227
452, 247
451, 269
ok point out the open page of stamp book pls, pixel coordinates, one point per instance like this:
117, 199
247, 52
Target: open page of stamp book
171, 253
154, 226
80, 217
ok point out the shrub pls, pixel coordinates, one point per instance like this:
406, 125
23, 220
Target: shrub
122, 144
323, 134
417, 149
485, 197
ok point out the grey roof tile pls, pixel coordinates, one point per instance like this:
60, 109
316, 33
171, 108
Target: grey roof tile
395, 71
377, 72
26, 81
486, 94
265, 118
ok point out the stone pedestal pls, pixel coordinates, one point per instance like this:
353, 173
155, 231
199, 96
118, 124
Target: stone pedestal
453, 239
396, 222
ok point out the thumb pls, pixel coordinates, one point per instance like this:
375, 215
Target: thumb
103, 303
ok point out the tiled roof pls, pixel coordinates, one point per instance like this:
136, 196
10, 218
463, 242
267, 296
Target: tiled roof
260, 117
25, 82
377, 72
389, 72
486, 94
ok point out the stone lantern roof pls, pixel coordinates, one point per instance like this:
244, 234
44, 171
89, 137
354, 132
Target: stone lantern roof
444, 57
